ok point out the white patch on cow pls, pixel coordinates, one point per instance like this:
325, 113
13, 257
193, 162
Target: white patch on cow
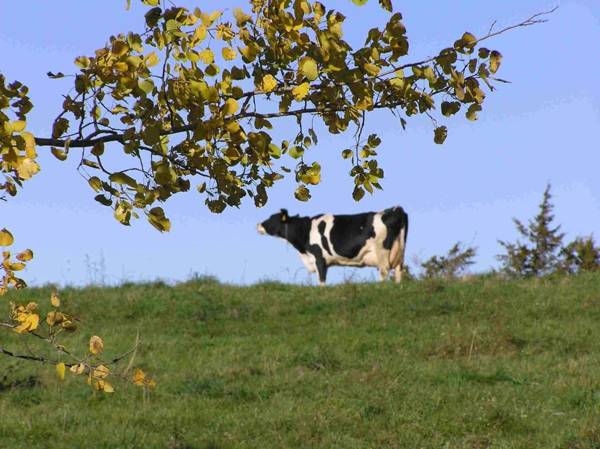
372, 254
309, 262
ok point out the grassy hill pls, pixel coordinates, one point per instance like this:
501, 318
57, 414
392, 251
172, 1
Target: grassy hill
477, 364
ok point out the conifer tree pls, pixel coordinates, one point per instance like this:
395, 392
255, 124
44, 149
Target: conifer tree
540, 253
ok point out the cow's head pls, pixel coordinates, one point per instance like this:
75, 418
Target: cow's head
275, 224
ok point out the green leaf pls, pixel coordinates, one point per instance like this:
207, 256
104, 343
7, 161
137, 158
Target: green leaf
469, 40
123, 178
98, 149
274, 151
302, 193
230, 107
60, 127
146, 85
95, 183
440, 134
296, 152
58, 154
347, 154
483, 52
360, 2
103, 200
450, 108
358, 193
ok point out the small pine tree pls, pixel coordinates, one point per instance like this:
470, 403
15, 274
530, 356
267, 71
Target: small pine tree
541, 252
450, 266
581, 254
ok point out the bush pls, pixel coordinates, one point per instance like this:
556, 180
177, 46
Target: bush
581, 254
450, 266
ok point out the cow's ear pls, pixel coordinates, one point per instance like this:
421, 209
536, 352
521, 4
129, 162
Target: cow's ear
284, 215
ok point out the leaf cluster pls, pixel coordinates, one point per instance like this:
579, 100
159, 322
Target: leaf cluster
9, 265
25, 320
17, 146
192, 99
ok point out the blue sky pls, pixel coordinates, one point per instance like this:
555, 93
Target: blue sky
543, 127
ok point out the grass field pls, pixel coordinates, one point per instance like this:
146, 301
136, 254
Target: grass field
478, 364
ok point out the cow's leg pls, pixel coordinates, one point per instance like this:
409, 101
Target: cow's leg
320, 263
398, 248
322, 270
398, 273
384, 273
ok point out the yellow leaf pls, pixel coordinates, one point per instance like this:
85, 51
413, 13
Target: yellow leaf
82, 62
138, 377
68, 325
25, 255
16, 266
106, 387
240, 17
54, 300
29, 144
29, 323
100, 372
151, 59
53, 318
18, 125
102, 385
308, 68
60, 371
228, 53
208, 19
230, 107
6, 238
199, 34
27, 167
495, 60
96, 345
77, 369
268, 83
301, 91
207, 56
372, 69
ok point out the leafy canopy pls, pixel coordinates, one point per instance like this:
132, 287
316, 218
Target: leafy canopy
191, 102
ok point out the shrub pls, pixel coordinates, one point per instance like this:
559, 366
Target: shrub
451, 265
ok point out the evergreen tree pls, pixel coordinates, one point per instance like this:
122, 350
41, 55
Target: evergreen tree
540, 253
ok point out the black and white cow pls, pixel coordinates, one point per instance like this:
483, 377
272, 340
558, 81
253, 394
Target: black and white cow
372, 239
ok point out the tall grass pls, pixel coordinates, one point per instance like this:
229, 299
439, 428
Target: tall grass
484, 363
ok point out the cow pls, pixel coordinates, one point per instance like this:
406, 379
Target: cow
371, 239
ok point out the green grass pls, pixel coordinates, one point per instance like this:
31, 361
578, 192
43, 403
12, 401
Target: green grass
478, 364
